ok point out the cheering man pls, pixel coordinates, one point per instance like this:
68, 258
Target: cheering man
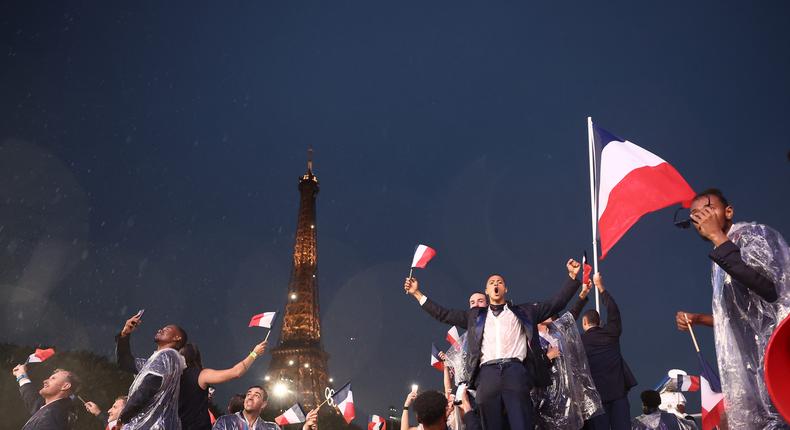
504, 347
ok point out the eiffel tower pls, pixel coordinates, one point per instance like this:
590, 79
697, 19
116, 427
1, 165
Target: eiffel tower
298, 370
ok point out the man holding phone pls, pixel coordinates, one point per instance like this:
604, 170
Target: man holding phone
153, 396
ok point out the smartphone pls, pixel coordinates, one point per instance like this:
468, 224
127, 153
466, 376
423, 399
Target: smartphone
140, 313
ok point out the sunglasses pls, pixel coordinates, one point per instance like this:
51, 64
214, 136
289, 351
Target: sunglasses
686, 221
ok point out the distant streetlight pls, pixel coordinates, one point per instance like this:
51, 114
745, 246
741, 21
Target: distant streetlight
290, 362
280, 389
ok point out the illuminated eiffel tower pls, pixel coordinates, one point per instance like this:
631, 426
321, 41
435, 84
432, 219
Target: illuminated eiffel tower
298, 370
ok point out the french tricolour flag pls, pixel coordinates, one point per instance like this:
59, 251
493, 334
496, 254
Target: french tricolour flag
631, 182
454, 338
263, 320
40, 355
422, 255
377, 423
294, 415
586, 270
344, 401
712, 398
436, 362
688, 383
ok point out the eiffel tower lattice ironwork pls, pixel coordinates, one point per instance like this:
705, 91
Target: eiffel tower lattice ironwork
298, 371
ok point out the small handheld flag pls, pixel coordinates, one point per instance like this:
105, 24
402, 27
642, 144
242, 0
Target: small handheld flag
40, 355
586, 270
422, 255
263, 320
344, 401
294, 415
377, 423
454, 338
436, 362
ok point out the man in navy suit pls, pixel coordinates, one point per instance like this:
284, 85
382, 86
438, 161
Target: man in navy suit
504, 347
609, 370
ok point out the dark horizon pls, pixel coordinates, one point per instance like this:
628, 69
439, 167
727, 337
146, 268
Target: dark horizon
151, 154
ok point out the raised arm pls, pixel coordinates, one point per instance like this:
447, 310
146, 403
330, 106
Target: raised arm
213, 377
614, 324
123, 350
561, 299
728, 257
404, 419
30, 397
581, 302
447, 316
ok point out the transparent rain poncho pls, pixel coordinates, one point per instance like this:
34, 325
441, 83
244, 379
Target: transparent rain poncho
661, 421
743, 324
571, 398
162, 412
456, 360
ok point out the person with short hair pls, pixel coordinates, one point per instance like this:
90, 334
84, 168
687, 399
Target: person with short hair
51, 406
611, 374
109, 418
504, 356
153, 396
431, 409
193, 398
250, 416
653, 418
750, 276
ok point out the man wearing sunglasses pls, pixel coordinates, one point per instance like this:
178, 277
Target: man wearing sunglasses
751, 295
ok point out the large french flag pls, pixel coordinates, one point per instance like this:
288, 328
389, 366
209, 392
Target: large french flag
263, 320
422, 255
377, 423
631, 182
344, 401
294, 415
712, 398
40, 355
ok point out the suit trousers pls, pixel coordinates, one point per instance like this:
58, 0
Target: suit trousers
505, 387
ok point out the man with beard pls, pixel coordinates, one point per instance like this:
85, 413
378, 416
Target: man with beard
153, 396
51, 405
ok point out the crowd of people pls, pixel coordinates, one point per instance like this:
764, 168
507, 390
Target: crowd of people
519, 366
170, 391
525, 365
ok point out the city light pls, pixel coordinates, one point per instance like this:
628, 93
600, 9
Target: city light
307, 365
290, 362
267, 378
331, 380
293, 296
280, 389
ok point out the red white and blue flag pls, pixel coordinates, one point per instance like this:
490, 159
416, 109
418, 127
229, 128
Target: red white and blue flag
586, 270
263, 320
454, 338
422, 255
631, 182
344, 402
688, 383
40, 355
294, 415
712, 398
436, 362
377, 423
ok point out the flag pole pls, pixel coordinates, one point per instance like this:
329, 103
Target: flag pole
267, 335
593, 204
691, 330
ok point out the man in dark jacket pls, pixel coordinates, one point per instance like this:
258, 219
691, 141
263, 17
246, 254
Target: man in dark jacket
609, 370
504, 347
50, 406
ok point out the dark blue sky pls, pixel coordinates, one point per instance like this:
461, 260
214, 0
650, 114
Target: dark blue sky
150, 155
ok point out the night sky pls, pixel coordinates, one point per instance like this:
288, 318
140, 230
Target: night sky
150, 155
